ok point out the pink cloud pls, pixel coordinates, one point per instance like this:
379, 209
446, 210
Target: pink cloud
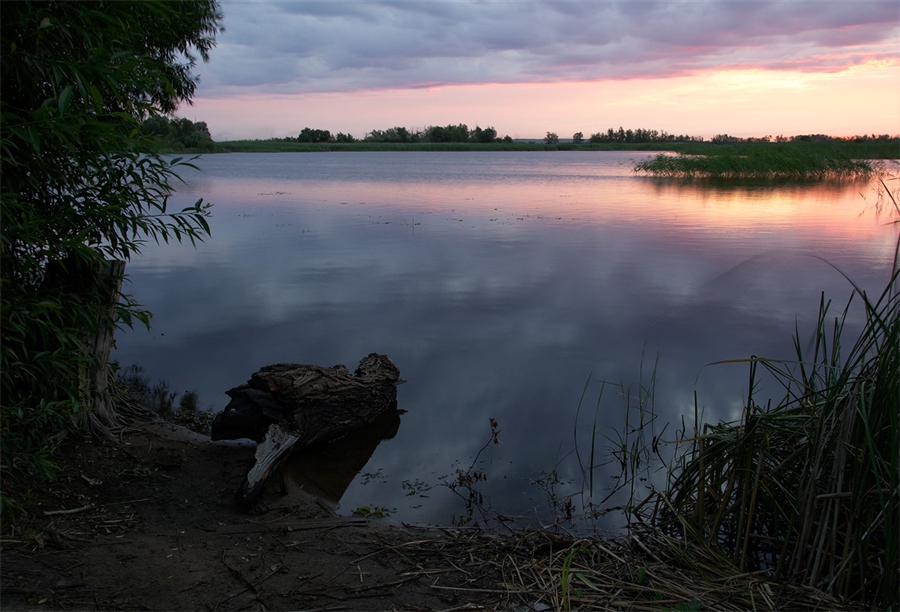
306, 47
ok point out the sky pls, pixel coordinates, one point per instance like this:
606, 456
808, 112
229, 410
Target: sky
528, 67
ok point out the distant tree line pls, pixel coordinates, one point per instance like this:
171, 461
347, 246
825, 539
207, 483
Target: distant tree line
178, 134
727, 139
653, 136
311, 135
639, 135
435, 133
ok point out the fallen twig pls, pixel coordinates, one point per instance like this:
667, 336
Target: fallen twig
72, 511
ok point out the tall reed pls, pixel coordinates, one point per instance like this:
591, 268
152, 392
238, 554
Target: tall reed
632, 444
808, 490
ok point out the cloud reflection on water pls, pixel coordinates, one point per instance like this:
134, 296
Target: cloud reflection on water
498, 283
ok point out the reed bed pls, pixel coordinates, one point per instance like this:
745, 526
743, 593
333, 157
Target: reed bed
807, 491
760, 163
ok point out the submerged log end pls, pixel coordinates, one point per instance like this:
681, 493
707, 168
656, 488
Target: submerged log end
270, 454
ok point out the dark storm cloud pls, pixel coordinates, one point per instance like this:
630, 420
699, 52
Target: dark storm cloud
299, 46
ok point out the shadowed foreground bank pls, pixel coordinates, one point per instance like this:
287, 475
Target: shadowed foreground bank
149, 524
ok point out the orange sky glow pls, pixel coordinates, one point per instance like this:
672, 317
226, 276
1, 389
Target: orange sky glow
863, 99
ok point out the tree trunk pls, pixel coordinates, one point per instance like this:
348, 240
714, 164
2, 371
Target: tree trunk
100, 416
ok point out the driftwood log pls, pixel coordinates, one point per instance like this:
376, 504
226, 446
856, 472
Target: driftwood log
290, 406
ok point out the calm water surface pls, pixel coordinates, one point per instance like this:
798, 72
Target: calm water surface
499, 283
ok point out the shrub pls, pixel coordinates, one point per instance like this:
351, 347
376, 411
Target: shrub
77, 191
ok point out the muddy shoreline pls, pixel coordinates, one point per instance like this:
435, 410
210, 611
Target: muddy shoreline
148, 522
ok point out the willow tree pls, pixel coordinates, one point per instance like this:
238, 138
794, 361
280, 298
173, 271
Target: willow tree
79, 190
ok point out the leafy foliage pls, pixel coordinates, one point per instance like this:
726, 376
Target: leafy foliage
436, 134
178, 134
311, 135
639, 135
394, 134
78, 78
450, 133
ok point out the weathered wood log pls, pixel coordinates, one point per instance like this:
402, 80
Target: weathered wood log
271, 452
288, 406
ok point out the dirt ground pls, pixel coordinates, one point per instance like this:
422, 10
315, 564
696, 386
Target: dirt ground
148, 523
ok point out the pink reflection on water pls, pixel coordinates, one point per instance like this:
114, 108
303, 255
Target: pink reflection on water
756, 212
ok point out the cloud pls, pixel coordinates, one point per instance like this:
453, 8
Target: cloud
337, 46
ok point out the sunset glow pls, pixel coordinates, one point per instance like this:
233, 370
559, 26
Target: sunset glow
696, 68
861, 100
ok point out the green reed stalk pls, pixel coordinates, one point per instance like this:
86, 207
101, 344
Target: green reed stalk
587, 472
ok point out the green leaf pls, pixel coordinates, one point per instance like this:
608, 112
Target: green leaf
96, 95
29, 135
65, 98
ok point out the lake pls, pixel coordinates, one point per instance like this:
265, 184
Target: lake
500, 283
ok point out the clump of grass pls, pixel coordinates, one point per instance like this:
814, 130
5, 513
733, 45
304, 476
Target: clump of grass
139, 395
760, 162
807, 491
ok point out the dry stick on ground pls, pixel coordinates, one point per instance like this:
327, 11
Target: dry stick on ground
72, 511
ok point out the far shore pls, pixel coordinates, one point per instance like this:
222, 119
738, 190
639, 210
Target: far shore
872, 149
